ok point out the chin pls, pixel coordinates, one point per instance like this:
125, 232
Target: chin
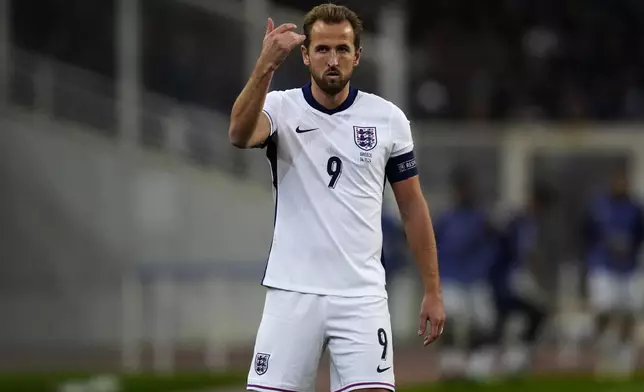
333, 87
332, 90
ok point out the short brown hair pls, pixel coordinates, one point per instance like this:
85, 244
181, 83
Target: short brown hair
331, 14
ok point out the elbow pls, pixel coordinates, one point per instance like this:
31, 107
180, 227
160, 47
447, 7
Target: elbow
237, 143
235, 138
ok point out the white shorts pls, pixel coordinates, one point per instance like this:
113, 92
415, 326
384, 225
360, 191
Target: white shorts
295, 330
469, 305
609, 292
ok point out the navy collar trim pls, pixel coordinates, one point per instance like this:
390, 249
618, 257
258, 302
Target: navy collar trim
308, 96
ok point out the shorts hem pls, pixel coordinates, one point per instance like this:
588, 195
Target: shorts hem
379, 292
365, 385
266, 388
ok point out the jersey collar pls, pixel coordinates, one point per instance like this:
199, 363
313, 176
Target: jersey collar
308, 96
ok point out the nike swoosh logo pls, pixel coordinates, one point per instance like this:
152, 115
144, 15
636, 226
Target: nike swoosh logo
298, 130
382, 370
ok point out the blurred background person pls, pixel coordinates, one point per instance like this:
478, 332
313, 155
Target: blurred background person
516, 279
613, 232
467, 247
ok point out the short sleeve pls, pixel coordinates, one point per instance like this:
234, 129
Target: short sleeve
271, 108
401, 133
401, 164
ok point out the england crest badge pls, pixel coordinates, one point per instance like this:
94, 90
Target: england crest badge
261, 363
365, 137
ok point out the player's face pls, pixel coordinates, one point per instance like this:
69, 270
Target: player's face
331, 55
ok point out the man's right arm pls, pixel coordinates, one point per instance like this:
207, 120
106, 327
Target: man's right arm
249, 126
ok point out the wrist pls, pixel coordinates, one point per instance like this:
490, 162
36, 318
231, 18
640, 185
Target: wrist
264, 67
434, 293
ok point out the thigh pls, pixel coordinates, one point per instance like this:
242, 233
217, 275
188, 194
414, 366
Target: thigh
524, 285
360, 344
481, 306
289, 343
604, 291
456, 302
634, 293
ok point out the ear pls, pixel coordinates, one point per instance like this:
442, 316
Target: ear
356, 61
305, 55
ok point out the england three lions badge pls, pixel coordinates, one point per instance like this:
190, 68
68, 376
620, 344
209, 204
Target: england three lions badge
366, 138
261, 363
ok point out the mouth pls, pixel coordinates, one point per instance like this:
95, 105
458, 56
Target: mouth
333, 74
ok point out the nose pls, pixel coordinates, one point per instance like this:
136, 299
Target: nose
333, 59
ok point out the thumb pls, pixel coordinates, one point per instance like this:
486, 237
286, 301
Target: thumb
269, 26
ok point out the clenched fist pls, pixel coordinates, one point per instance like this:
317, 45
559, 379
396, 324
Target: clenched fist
278, 43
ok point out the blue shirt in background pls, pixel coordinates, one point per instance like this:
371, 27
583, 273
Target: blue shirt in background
467, 245
518, 244
613, 231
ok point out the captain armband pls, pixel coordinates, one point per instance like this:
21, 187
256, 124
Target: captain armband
401, 167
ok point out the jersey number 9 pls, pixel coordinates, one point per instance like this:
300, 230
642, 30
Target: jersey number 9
334, 169
382, 339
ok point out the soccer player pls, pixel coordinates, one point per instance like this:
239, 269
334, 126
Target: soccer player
514, 276
467, 248
331, 148
613, 232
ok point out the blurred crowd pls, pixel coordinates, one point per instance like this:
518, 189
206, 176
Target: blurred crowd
495, 269
472, 60
548, 59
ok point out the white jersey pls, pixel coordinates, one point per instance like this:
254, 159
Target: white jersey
329, 170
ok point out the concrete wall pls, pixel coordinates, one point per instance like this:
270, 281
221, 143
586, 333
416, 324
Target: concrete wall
76, 214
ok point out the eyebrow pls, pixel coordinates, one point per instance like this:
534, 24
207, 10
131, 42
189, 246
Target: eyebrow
342, 45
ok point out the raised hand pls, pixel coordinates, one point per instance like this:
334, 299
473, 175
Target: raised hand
278, 43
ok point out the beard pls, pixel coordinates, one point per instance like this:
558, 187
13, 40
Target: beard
331, 86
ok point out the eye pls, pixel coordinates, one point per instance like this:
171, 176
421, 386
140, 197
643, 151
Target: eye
321, 49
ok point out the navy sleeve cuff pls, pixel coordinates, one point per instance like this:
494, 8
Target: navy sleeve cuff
401, 167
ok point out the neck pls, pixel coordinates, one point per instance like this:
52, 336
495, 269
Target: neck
329, 101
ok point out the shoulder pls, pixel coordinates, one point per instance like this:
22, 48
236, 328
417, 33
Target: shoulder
637, 206
633, 201
281, 94
378, 104
280, 103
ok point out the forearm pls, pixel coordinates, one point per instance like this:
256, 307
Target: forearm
248, 105
421, 240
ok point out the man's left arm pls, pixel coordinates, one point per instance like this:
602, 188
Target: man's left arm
402, 173
420, 237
